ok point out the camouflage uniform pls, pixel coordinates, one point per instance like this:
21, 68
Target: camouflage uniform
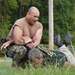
53, 57
18, 55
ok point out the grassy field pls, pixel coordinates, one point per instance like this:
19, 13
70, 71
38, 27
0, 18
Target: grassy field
5, 69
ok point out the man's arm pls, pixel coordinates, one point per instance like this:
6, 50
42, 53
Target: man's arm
18, 38
22, 40
37, 37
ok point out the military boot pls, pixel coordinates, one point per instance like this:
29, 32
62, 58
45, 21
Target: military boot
68, 38
57, 40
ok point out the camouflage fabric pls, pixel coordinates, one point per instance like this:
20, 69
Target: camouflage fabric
17, 53
52, 57
20, 55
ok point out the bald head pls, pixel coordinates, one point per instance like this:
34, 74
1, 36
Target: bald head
33, 9
32, 15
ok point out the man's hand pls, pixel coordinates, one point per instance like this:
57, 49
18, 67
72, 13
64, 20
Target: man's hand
31, 45
6, 44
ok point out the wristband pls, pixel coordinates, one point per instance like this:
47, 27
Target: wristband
29, 42
27, 46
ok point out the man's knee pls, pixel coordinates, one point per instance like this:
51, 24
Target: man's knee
16, 52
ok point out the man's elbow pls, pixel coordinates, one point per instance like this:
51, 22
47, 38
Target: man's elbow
19, 42
16, 42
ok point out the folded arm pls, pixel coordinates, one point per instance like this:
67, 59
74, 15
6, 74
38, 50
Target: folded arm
37, 37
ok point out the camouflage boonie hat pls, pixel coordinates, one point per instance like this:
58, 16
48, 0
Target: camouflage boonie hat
34, 53
16, 52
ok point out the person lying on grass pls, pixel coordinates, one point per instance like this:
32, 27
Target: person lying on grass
61, 57
40, 56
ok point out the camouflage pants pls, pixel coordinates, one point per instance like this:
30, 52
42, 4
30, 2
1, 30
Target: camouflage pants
18, 55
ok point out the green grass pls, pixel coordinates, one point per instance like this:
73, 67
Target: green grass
5, 69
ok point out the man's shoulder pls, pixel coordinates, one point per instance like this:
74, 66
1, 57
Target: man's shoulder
39, 23
20, 19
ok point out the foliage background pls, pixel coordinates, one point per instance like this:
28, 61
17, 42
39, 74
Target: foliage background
64, 16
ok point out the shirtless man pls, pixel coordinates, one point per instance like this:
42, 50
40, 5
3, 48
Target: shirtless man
25, 34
